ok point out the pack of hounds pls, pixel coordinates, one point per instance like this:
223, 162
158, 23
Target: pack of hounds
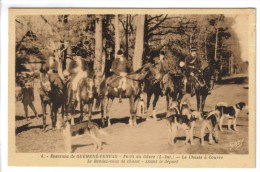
185, 119
178, 118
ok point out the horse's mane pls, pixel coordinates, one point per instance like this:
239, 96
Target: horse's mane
140, 73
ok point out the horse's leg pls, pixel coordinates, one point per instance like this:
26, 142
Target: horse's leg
109, 104
82, 110
149, 95
73, 109
198, 100
53, 116
203, 102
167, 101
132, 119
90, 105
43, 114
104, 110
155, 100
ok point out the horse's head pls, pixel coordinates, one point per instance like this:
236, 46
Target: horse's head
152, 73
211, 72
45, 83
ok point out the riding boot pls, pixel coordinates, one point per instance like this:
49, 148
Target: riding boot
74, 98
192, 90
120, 91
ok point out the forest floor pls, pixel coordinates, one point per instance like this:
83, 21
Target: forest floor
147, 137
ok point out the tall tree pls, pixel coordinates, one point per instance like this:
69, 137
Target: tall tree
117, 37
139, 43
99, 61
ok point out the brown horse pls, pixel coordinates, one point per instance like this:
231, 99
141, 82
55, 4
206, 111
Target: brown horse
109, 92
45, 88
86, 92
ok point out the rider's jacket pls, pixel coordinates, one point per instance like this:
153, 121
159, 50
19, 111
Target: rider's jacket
121, 65
192, 64
27, 91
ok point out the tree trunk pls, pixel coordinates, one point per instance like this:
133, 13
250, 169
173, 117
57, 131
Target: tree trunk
139, 43
146, 39
99, 61
205, 47
216, 43
117, 37
126, 37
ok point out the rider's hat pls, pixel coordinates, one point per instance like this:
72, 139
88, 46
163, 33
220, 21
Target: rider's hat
120, 52
193, 49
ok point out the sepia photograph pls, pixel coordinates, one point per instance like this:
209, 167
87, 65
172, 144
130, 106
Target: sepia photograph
164, 84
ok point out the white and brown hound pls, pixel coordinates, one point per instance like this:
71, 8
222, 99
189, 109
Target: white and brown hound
177, 120
230, 112
210, 121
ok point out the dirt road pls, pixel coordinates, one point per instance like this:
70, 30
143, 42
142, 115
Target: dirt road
147, 137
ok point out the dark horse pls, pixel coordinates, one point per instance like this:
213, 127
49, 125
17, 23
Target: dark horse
53, 93
109, 92
209, 75
169, 85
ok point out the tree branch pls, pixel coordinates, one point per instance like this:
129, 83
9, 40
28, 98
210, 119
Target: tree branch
122, 23
158, 24
162, 33
150, 19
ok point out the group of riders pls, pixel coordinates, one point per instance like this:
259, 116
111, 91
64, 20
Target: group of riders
190, 68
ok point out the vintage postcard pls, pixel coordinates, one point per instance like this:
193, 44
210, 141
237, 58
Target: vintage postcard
132, 87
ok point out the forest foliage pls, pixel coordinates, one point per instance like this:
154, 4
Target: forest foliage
97, 38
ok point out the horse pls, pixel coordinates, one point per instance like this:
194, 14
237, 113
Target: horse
109, 91
45, 88
168, 85
58, 97
209, 75
85, 93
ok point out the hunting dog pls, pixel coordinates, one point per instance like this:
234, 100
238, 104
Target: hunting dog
210, 121
230, 112
71, 132
184, 119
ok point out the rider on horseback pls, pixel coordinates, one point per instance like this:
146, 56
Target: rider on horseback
77, 73
121, 67
161, 68
192, 66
